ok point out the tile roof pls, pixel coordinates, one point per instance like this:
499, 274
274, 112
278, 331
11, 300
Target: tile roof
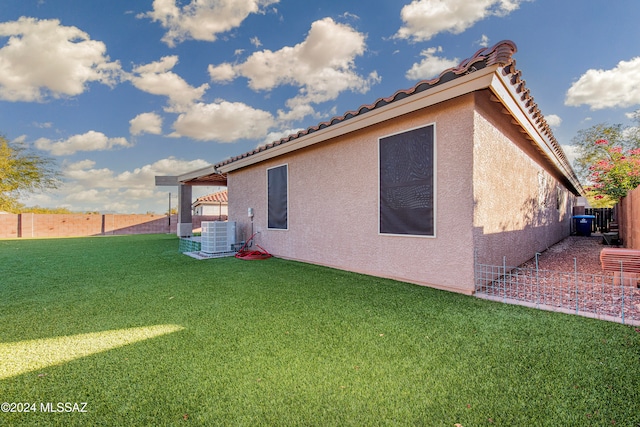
501, 54
534, 112
218, 197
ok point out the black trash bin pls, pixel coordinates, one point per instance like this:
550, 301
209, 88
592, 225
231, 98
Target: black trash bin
583, 224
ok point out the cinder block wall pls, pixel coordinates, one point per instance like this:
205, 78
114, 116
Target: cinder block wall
8, 225
135, 224
59, 225
29, 225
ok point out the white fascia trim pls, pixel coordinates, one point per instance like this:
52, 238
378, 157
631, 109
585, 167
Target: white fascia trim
188, 176
471, 82
507, 95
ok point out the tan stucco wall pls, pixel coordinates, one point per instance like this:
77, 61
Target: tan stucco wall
213, 209
493, 196
333, 204
516, 212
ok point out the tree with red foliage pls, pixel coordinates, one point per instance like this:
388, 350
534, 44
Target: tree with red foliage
616, 172
607, 161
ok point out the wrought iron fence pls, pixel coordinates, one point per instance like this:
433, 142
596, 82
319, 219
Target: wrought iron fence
609, 297
603, 218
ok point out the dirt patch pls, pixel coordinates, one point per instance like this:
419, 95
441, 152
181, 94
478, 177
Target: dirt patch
584, 251
569, 278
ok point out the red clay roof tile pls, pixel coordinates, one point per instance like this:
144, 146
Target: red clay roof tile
501, 54
218, 197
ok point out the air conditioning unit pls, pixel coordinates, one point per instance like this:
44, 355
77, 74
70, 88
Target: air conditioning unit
218, 236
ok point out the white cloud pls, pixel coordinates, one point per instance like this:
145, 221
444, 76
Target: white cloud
553, 120
222, 73
222, 121
83, 164
43, 58
255, 41
219, 121
157, 78
88, 188
91, 195
423, 19
200, 19
484, 41
78, 198
20, 139
90, 141
631, 132
431, 66
277, 136
351, 16
88, 177
572, 152
147, 123
322, 66
171, 165
297, 110
617, 87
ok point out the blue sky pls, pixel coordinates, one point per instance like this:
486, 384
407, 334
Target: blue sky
118, 91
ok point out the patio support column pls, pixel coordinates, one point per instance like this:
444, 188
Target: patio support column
185, 224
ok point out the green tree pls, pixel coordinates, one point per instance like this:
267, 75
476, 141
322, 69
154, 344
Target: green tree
607, 161
588, 151
22, 172
616, 173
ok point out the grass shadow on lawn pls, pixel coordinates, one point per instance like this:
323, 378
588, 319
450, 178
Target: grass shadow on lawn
285, 343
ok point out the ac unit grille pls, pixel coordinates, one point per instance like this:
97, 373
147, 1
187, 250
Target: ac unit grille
218, 236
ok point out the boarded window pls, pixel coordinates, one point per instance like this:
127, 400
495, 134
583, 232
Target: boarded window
277, 197
407, 183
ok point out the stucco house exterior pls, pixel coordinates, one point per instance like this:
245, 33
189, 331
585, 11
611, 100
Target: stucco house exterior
214, 204
415, 186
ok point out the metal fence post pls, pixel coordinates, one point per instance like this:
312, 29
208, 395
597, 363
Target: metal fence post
622, 290
504, 275
537, 282
575, 272
597, 291
475, 270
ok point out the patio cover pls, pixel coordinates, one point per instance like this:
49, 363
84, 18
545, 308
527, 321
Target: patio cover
184, 182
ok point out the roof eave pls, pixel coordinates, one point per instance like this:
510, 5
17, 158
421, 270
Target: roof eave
500, 77
188, 176
480, 79
197, 177
209, 203
536, 129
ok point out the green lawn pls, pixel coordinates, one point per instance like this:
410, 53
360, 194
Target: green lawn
147, 336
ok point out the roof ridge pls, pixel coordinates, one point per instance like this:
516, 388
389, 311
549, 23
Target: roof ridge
218, 196
501, 53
